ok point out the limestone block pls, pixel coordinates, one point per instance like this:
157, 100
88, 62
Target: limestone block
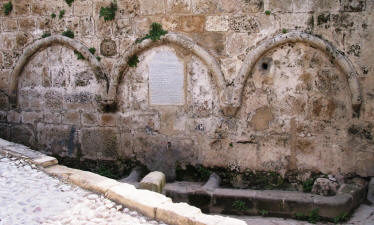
279, 6
14, 117
45, 161
371, 191
152, 7
26, 24
177, 213
83, 8
178, 6
191, 23
92, 181
72, 118
353, 6
213, 182
244, 24
9, 24
217, 23
32, 117
62, 172
144, 201
154, 181
204, 6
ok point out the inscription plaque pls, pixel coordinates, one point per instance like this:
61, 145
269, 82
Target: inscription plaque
166, 79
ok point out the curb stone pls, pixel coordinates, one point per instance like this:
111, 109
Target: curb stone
151, 204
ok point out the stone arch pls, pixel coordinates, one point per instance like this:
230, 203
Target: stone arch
45, 42
170, 38
234, 94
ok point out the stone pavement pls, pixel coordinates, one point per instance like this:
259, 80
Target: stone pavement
29, 196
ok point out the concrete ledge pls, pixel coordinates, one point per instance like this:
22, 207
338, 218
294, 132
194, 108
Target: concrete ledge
143, 201
151, 204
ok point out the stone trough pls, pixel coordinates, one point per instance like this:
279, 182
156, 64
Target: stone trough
267, 202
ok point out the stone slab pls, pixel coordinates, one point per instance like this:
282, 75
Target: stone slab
166, 78
92, 181
45, 161
154, 181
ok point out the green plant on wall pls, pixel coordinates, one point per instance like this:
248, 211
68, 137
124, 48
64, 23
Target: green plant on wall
92, 50
341, 218
69, 2
154, 33
109, 13
267, 12
8, 7
264, 212
133, 61
46, 34
53, 15
68, 33
239, 205
61, 14
308, 185
79, 55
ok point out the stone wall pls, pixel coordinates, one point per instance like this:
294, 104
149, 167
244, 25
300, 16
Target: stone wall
268, 85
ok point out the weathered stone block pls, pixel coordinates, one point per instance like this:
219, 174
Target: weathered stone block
26, 24
92, 181
9, 24
316, 5
14, 117
204, 6
32, 117
152, 7
57, 139
21, 8
178, 6
154, 181
83, 8
22, 134
217, 23
53, 100
325, 187
100, 143
352, 6
73, 118
279, 6
86, 26
52, 117
109, 119
45, 161
89, 119
244, 23
143, 201
248, 6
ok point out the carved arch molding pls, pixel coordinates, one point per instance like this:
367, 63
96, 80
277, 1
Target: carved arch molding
230, 95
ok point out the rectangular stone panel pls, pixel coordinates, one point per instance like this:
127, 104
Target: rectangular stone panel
166, 79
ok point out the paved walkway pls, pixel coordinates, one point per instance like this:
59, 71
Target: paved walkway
29, 196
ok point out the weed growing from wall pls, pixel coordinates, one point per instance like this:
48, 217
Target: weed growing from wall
61, 14
53, 15
239, 205
268, 12
69, 2
98, 58
133, 61
109, 13
8, 7
79, 55
154, 33
284, 31
68, 33
46, 34
92, 50
341, 218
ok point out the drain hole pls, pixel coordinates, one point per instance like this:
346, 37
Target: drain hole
265, 66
